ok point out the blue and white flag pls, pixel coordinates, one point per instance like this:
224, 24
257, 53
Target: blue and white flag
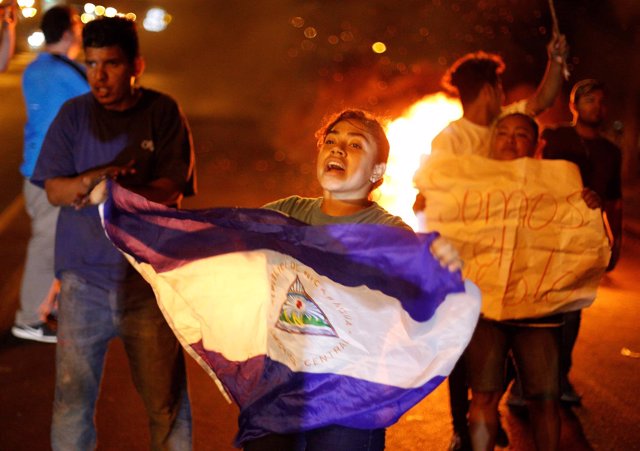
302, 326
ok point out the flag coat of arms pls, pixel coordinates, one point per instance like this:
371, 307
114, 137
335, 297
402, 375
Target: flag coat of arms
302, 326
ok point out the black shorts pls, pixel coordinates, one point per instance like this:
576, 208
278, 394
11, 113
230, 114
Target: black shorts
535, 350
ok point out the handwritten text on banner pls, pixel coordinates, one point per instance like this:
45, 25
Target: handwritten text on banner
527, 238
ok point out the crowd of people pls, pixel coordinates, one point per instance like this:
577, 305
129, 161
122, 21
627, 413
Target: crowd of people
87, 123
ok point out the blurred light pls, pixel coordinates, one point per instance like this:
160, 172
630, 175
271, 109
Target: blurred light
110, 12
89, 8
307, 45
86, 18
346, 36
26, 3
379, 47
410, 138
156, 20
333, 39
297, 22
261, 165
629, 353
130, 16
99, 11
310, 33
29, 12
36, 39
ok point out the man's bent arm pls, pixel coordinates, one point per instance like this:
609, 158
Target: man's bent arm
66, 191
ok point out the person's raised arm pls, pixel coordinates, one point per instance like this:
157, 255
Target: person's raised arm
552, 80
7, 34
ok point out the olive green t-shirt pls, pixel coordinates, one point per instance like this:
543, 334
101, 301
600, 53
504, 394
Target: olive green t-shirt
308, 210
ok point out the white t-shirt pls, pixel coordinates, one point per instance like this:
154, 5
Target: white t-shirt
463, 137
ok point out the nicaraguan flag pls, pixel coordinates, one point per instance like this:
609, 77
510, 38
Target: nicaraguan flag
302, 326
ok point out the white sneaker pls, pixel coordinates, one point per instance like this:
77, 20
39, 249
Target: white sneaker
37, 332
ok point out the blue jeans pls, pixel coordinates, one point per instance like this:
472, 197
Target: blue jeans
88, 318
334, 438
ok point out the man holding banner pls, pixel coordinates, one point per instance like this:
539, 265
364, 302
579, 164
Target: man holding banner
476, 80
535, 249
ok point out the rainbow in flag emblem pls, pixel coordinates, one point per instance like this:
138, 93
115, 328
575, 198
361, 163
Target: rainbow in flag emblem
301, 315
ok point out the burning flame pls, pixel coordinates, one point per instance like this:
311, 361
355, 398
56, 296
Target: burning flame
410, 138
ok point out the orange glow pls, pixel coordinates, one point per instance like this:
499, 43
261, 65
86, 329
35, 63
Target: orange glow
410, 138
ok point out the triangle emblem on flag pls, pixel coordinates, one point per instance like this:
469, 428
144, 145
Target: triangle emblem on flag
300, 314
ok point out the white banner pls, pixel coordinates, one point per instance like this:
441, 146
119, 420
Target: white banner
527, 238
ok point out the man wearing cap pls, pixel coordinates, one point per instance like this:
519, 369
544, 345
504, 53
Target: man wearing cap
599, 160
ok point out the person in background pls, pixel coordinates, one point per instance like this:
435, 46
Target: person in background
599, 160
534, 343
476, 79
49, 81
7, 33
121, 130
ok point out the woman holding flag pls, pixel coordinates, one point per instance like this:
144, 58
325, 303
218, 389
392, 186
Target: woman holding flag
325, 324
352, 155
